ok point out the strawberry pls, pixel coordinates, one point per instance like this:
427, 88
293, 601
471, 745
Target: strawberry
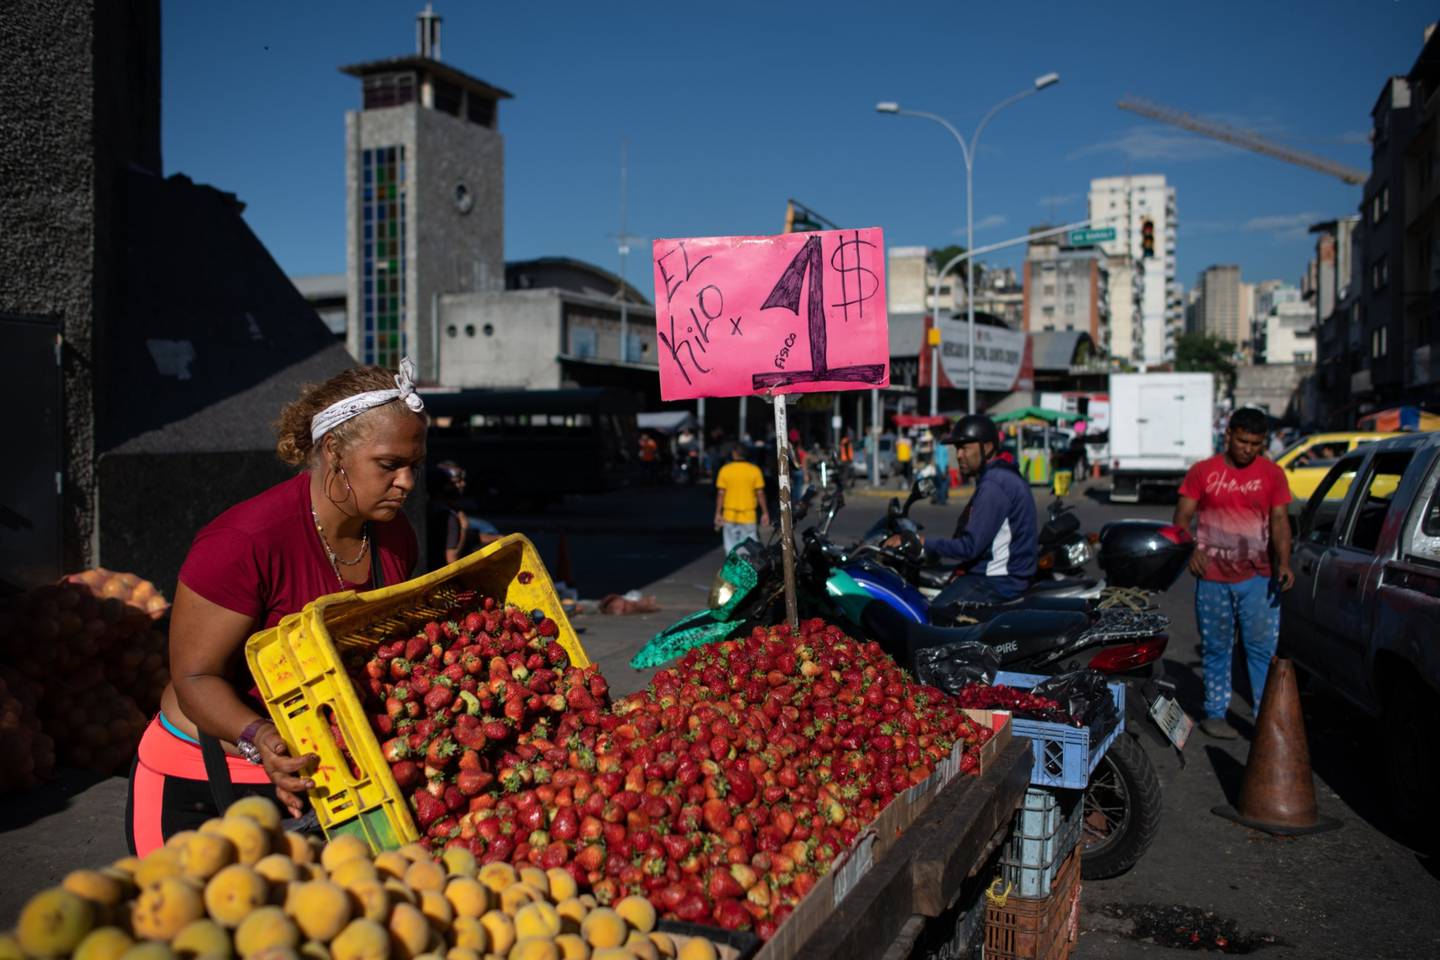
400, 668
428, 809
395, 750
591, 857
440, 752
439, 697
406, 773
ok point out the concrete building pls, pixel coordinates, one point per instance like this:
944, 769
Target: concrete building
1065, 289
1143, 211
424, 188
326, 292
1334, 285
1000, 294
1218, 311
1125, 341
150, 337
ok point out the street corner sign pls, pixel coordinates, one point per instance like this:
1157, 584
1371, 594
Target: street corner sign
793, 313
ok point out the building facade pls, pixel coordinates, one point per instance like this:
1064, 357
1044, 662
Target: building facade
1065, 289
1218, 311
424, 187
1143, 211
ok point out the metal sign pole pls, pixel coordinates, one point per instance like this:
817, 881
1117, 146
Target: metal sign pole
787, 530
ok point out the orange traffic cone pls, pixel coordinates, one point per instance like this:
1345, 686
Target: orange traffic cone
1277, 793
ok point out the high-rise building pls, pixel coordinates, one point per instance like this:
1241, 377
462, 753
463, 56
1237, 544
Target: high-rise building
1218, 312
1143, 211
424, 179
1065, 289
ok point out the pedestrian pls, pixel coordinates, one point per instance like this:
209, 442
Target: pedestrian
903, 458
739, 496
942, 473
1241, 560
338, 524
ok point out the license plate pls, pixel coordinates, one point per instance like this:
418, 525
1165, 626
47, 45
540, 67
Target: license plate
1172, 720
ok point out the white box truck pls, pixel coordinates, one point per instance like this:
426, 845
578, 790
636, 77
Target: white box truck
1160, 424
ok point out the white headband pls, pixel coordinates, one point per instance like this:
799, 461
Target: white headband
337, 413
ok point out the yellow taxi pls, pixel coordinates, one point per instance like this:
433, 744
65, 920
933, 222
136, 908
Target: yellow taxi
1308, 460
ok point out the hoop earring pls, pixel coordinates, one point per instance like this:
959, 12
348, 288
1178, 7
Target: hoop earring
347, 481
330, 474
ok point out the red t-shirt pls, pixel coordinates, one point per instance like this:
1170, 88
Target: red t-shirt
1234, 515
264, 559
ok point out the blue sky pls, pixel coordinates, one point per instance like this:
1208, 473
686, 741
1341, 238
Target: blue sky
731, 108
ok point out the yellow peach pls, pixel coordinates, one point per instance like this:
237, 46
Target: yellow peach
252, 841
461, 953
603, 927
320, 908
267, 928
571, 911
501, 930
149, 950
425, 875
262, 810
392, 863
315, 950
400, 893
469, 934
459, 862
202, 938
297, 847
370, 899
497, 876
233, 892
697, 948
104, 943
467, 896
534, 948
347, 873
165, 908
410, 931
206, 854
562, 884
572, 947
537, 920
515, 896
638, 912
640, 946
537, 878
157, 865
278, 869
345, 847
664, 945
361, 939
416, 851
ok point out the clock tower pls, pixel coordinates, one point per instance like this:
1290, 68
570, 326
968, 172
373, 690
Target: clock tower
424, 182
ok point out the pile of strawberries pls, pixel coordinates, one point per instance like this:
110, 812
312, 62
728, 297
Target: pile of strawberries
722, 792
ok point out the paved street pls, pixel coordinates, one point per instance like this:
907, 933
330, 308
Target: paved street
1357, 892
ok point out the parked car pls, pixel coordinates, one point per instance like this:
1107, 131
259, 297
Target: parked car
1306, 461
1364, 615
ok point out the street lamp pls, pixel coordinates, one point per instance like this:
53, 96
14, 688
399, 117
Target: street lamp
967, 150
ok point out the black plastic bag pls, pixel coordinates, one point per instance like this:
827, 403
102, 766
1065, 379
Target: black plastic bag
956, 665
1084, 695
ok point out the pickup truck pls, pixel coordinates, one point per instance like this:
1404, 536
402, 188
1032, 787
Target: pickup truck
1364, 615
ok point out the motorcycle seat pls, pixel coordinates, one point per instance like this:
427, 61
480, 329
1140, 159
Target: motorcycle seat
1047, 586
1015, 634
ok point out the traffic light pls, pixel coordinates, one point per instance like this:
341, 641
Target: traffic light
1147, 238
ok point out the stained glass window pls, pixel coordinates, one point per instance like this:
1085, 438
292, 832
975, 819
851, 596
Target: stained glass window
383, 255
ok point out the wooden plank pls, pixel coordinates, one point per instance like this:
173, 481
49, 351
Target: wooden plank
956, 831
957, 824
871, 916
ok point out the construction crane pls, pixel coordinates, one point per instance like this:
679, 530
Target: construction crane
1240, 138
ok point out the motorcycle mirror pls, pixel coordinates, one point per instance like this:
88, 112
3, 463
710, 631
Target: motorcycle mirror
894, 506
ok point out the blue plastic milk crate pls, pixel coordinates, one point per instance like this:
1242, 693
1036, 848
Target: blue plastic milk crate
1064, 755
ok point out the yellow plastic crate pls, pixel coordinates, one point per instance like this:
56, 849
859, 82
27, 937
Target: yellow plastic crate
298, 667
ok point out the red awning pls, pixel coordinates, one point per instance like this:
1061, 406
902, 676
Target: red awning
913, 420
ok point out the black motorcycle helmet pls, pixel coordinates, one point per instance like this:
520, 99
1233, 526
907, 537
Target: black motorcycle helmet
975, 428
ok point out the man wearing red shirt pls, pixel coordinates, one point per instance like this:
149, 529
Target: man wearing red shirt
1240, 500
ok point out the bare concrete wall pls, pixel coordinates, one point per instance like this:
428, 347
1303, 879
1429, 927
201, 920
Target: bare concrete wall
81, 89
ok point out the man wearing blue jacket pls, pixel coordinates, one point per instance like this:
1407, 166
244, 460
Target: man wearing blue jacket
996, 540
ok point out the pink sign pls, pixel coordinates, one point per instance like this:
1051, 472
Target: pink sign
795, 313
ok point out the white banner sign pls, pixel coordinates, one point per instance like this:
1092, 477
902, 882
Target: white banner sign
999, 354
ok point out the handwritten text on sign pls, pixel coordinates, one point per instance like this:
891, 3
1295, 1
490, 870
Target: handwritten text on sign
795, 313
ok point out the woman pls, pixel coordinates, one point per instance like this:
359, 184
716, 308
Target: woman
337, 525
